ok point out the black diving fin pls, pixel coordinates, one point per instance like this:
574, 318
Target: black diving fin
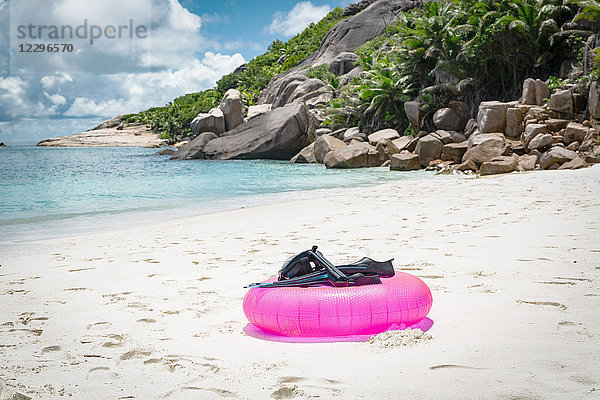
311, 268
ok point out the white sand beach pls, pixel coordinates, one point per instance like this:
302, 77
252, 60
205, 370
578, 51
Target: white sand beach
155, 311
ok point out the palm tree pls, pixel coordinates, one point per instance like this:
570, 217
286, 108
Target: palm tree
384, 90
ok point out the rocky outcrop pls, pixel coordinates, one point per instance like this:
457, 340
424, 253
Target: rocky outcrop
213, 121
306, 155
351, 33
132, 135
343, 63
233, 109
354, 134
355, 155
575, 163
527, 162
166, 152
575, 132
429, 148
514, 122
325, 144
415, 114
556, 156
454, 152
255, 111
486, 148
114, 122
344, 37
279, 135
534, 92
405, 162
194, 149
531, 131
499, 165
449, 119
562, 102
390, 134
540, 142
492, 116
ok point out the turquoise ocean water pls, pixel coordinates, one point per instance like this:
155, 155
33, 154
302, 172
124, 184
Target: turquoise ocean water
47, 192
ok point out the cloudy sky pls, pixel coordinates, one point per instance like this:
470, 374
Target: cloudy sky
192, 44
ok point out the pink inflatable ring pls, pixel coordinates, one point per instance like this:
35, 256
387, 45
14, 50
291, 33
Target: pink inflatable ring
327, 311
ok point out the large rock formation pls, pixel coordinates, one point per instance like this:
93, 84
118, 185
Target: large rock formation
429, 148
355, 155
448, 119
486, 149
194, 149
343, 63
405, 162
575, 132
325, 144
415, 114
213, 121
390, 134
306, 155
492, 116
278, 135
119, 134
534, 92
345, 37
233, 109
255, 111
562, 102
499, 165
556, 155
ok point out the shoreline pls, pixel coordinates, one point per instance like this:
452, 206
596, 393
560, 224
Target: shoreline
512, 261
167, 218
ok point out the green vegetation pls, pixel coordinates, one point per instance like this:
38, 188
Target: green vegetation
174, 118
255, 75
463, 49
469, 50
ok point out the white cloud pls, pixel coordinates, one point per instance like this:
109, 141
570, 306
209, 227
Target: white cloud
49, 81
182, 20
294, 21
179, 56
56, 99
141, 91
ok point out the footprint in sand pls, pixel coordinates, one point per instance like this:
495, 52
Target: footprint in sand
561, 307
220, 392
287, 392
452, 366
147, 320
571, 328
134, 354
51, 349
290, 379
101, 374
116, 341
98, 326
481, 289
